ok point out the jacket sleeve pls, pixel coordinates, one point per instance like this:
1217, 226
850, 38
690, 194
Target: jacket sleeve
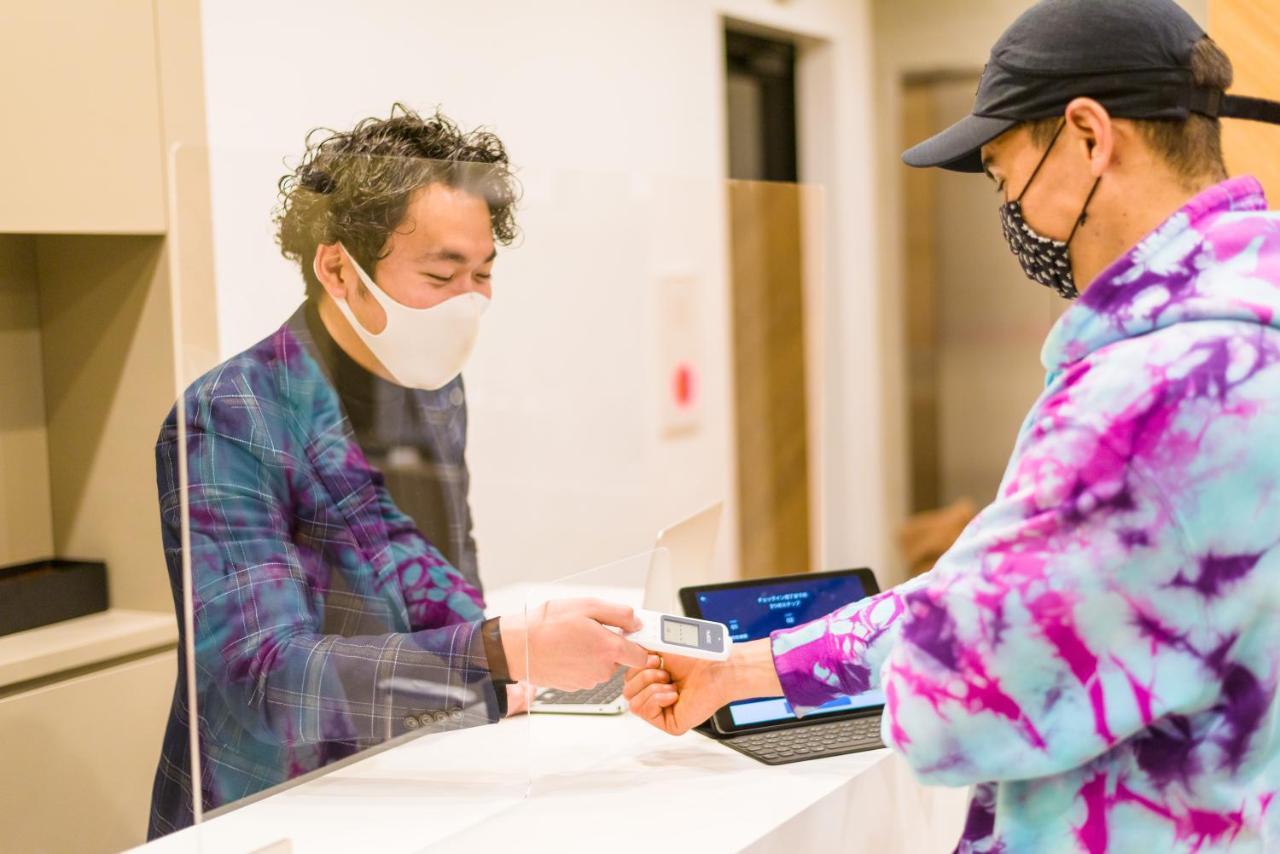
1056, 627
259, 616
435, 592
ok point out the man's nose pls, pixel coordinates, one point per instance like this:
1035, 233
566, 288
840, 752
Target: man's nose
463, 284
472, 283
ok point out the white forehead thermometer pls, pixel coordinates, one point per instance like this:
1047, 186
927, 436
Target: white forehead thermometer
671, 635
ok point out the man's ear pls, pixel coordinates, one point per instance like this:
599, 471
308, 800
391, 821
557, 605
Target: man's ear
331, 269
1090, 126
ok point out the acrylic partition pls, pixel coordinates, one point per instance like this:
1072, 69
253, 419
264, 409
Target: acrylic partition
577, 721
313, 527
316, 510
375, 558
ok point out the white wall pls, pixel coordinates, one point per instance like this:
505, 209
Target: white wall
569, 467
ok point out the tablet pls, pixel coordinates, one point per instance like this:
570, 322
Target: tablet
755, 608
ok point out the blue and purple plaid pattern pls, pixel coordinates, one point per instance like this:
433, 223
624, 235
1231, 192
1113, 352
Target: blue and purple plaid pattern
324, 622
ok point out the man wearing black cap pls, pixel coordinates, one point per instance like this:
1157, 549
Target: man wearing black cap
1096, 655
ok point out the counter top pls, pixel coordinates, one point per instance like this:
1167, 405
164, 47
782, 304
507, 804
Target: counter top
589, 783
569, 783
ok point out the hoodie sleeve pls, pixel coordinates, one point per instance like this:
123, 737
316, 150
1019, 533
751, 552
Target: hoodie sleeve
1053, 629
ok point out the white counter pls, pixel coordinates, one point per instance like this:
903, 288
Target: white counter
569, 783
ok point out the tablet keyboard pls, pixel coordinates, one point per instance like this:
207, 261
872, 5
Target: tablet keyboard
605, 692
810, 741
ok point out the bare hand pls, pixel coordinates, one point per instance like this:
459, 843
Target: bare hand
675, 693
564, 643
676, 696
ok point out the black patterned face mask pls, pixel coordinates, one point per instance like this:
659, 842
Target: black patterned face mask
1043, 259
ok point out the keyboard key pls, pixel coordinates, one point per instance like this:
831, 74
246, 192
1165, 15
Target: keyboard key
605, 692
812, 741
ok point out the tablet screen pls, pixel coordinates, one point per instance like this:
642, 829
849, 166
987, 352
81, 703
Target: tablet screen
753, 611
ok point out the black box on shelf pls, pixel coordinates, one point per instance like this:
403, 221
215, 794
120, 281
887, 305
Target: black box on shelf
48, 591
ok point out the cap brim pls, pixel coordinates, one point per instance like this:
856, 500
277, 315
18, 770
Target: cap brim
959, 147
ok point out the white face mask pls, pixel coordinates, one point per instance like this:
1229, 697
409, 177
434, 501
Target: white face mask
421, 347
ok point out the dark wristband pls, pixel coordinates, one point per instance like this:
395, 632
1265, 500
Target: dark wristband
499, 673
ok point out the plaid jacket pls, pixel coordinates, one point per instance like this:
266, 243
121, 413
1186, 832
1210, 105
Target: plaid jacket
324, 622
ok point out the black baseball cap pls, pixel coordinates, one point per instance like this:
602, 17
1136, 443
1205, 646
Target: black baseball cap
1132, 56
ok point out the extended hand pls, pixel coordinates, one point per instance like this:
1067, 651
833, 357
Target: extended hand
564, 643
673, 693
684, 692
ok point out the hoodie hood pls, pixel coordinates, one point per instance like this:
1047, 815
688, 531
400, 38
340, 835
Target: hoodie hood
1216, 258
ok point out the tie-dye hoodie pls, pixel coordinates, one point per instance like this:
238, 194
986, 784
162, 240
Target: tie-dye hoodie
1098, 654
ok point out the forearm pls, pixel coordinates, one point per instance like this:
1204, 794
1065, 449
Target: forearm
365, 689
749, 672
840, 654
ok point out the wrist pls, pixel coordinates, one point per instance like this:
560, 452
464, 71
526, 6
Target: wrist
749, 672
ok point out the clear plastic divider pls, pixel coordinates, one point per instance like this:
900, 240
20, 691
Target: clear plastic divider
581, 735
315, 506
327, 472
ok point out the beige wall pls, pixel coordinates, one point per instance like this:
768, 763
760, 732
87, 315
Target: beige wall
1249, 31
86, 378
976, 324
108, 368
991, 324
26, 531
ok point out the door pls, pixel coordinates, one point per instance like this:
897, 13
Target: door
973, 329
768, 275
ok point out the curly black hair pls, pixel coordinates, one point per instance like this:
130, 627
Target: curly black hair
354, 186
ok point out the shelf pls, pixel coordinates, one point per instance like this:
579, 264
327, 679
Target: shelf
83, 642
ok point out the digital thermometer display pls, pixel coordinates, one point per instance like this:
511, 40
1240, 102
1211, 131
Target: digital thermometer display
678, 631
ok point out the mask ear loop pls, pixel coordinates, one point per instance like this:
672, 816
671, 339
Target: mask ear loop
1084, 211
1043, 158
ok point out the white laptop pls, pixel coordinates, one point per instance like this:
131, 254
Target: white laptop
682, 558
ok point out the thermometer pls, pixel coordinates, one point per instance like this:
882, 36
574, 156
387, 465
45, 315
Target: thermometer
672, 635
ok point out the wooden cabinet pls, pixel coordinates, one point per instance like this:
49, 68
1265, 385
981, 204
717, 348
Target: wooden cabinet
79, 755
82, 149
103, 309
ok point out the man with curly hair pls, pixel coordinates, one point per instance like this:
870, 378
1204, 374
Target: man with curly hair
335, 595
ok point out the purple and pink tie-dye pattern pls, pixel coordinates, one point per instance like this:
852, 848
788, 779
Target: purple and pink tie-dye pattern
1097, 654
